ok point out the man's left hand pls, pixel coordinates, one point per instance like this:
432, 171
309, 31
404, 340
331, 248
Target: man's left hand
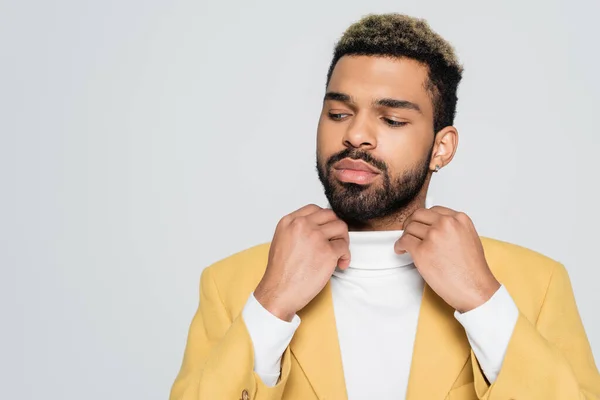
448, 253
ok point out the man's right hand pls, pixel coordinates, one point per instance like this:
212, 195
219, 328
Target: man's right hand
307, 246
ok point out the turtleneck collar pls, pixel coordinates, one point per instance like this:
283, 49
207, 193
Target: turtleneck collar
374, 250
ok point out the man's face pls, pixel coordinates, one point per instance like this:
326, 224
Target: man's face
375, 136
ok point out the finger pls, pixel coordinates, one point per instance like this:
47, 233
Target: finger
336, 229
417, 229
407, 244
424, 216
306, 210
322, 216
342, 251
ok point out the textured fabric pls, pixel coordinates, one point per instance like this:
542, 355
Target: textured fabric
548, 355
270, 337
489, 328
376, 302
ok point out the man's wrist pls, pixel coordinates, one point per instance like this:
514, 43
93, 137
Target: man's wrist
484, 294
270, 301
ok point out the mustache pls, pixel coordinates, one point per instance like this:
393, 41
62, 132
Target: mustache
355, 154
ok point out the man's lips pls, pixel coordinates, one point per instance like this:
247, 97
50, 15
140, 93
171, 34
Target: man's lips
355, 171
355, 165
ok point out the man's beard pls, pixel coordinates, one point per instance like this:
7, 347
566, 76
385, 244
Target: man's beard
357, 204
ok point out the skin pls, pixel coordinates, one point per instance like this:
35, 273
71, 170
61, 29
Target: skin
361, 126
358, 119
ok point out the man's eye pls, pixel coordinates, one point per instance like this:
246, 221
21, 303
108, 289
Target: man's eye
337, 116
394, 123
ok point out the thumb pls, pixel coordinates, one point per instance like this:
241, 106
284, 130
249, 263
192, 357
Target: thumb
343, 252
407, 244
343, 263
399, 247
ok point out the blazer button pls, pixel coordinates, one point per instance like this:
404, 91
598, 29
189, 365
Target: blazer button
245, 395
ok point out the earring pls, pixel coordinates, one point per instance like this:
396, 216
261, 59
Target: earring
437, 168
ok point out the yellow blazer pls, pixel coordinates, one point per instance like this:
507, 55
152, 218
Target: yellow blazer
548, 357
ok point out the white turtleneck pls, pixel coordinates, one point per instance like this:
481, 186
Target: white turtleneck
376, 303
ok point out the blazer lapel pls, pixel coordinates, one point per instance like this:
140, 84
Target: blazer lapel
440, 352
316, 347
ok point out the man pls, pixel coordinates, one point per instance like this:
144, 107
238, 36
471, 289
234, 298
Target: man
380, 297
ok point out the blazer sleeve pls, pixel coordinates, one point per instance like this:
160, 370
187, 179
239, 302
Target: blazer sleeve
218, 362
547, 359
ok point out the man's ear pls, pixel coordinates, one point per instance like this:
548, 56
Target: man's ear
444, 148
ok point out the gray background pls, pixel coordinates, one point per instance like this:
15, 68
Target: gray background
143, 140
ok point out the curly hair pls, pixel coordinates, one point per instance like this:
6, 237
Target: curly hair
397, 36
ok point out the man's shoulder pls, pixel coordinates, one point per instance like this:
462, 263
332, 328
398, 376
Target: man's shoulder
524, 272
508, 258
242, 265
237, 275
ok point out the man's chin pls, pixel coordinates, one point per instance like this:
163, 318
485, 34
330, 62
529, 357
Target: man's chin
351, 216
342, 185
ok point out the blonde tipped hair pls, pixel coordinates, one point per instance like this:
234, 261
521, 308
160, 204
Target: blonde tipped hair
397, 36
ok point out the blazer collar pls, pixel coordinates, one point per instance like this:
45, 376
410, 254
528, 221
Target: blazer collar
440, 352
316, 347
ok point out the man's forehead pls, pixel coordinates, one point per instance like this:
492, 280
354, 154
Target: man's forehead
367, 78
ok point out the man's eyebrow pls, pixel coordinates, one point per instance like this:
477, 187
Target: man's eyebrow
385, 102
394, 103
337, 96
